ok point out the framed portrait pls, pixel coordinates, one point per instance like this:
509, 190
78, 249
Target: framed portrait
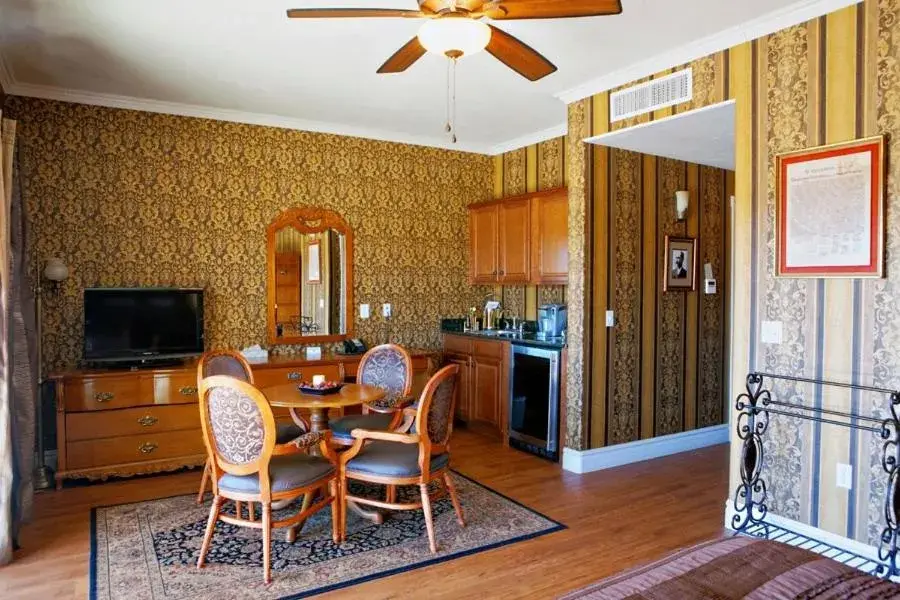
314, 262
681, 265
829, 218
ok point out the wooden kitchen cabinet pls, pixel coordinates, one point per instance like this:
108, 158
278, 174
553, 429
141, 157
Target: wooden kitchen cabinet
483, 388
514, 233
520, 240
483, 222
550, 237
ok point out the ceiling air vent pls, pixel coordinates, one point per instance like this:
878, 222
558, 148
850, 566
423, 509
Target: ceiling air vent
653, 95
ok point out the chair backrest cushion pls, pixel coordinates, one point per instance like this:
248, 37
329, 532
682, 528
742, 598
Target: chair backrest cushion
440, 412
237, 425
225, 364
387, 367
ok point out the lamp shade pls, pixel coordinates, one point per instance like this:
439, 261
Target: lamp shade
56, 270
682, 200
450, 35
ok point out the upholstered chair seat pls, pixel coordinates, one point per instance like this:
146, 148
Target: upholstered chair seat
287, 432
341, 428
388, 367
390, 459
285, 473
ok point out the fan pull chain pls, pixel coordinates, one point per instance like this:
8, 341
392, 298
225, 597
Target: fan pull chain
451, 99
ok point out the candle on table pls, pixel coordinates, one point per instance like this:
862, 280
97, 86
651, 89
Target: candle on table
318, 380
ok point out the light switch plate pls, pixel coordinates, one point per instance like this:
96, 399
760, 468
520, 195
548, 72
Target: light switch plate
363, 311
386, 310
844, 476
610, 318
771, 332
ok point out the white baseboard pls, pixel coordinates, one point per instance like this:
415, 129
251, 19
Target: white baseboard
598, 459
804, 529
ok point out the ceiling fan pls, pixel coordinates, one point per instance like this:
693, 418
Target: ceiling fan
457, 28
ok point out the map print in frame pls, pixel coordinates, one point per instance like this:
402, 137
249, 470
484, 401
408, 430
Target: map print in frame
830, 211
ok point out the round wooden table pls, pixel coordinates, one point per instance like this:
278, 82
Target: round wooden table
288, 396
352, 394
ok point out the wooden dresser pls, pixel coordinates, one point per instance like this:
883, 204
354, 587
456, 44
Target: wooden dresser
118, 423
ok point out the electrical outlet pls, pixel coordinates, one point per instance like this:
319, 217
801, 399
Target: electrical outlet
363, 311
610, 318
386, 310
771, 332
844, 476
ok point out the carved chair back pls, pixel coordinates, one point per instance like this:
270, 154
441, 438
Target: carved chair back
434, 415
238, 429
224, 362
388, 367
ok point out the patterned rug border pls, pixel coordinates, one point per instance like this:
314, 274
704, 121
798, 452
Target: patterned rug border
557, 526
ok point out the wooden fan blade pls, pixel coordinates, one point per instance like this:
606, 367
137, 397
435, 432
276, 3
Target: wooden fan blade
351, 13
404, 57
550, 9
518, 56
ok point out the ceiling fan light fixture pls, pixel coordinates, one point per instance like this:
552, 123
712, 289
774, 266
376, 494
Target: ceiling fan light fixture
454, 37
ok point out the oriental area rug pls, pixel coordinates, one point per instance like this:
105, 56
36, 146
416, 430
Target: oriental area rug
148, 550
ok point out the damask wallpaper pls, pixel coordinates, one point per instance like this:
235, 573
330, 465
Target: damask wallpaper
129, 198
534, 168
796, 88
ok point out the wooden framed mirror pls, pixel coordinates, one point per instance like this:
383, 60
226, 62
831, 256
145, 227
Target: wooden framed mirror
309, 264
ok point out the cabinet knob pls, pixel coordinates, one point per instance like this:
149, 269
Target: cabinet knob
501, 271
147, 447
148, 421
188, 390
294, 375
104, 396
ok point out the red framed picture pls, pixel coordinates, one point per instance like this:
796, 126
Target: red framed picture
830, 211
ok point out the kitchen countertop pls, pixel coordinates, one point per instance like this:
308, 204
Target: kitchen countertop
526, 339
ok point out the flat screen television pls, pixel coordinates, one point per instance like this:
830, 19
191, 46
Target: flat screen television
136, 325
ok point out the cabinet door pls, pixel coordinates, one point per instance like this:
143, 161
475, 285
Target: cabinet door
550, 238
486, 391
515, 220
483, 243
463, 397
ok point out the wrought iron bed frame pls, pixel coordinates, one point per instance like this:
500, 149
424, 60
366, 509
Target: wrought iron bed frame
754, 407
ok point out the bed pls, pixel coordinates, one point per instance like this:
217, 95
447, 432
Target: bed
741, 567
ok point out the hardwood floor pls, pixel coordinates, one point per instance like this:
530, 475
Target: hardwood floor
616, 519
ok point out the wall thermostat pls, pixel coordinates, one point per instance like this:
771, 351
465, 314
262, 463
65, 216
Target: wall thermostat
709, 286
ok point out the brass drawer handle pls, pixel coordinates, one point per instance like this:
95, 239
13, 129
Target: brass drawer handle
148, 421
294, 375
147, 447
104, 396
188, 391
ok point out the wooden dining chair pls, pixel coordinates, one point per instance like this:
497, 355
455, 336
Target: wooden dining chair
239, 433
393, 458
233, 364
388, 367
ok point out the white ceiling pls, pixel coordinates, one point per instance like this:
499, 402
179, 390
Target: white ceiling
704, 136
243, 60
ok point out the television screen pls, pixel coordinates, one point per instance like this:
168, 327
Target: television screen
128, 324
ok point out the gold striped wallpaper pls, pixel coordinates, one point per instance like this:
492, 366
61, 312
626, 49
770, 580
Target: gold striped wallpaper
831, 79
534, 168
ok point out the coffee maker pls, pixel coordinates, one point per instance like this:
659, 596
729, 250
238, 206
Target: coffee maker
551, 321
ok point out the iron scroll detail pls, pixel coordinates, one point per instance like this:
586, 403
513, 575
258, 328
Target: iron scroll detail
752, 422
890, 461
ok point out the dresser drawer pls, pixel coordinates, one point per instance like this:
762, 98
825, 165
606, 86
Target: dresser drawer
133, 448
178, 388
104, 393
131, 421
269, 377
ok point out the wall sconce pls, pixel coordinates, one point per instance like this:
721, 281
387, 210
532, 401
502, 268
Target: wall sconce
682, 201
55, 271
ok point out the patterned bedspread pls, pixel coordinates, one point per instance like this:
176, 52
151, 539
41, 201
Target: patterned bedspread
741, 568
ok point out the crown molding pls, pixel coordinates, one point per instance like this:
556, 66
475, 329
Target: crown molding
224, 114
799, 12
531, 138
